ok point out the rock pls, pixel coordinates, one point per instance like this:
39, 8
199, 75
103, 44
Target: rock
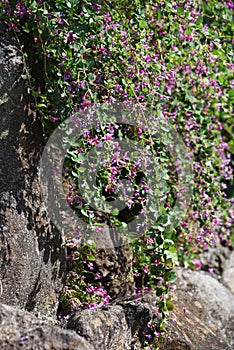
21, 330
208, 320
203, 310
32, 254
114, 267
104, 329
228, 272
221, 259
216, 257
118, 326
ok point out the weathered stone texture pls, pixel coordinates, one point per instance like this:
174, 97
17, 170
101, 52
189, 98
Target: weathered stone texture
21, 330
118, 326
32, 255
208, 322
228, 272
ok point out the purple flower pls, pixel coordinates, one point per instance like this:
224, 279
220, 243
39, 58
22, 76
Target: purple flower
150, 241
103, 50
198, 264
70, 37
67, 74
108, 137
90, 265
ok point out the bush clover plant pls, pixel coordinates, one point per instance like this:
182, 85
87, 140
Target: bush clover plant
174, 57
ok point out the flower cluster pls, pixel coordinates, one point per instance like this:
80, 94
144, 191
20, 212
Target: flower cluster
172, 57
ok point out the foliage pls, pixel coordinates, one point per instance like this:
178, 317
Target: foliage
173, 57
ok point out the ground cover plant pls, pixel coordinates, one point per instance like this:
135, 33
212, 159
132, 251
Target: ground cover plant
175, 58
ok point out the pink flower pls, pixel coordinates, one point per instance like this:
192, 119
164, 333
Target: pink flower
108, 137
150, 241
147, 58
53, 119
86, 133
95, 141
198, 264
103, 50
90, 265
70, 37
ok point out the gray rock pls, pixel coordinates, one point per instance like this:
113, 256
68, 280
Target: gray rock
228, 272
203, 310
221, 259
118, 326
104, 329
208, 322
216, 257
32, 254
21, 330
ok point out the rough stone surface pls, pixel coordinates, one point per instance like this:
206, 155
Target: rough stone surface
217, 257
105, 329
208, 322
119, 326
221, 259
228, 272
21, 330
114, 267
32, 255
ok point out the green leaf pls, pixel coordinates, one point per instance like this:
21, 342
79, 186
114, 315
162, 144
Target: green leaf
160, 292
199, 21
159, 240
170, 276
41, 105
169, 305
74, 173
90, 76
180, 10
79, 159
160, 228
91, 258
81, 170
142, 24
74, 143
115, 212
171, 253
83, 212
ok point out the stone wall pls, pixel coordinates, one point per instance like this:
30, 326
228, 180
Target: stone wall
32, 255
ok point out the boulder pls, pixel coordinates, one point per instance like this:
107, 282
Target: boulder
228, 272
203, 315
118, 326
221, 259
104, 329
22, 330
202, 318
32, 253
